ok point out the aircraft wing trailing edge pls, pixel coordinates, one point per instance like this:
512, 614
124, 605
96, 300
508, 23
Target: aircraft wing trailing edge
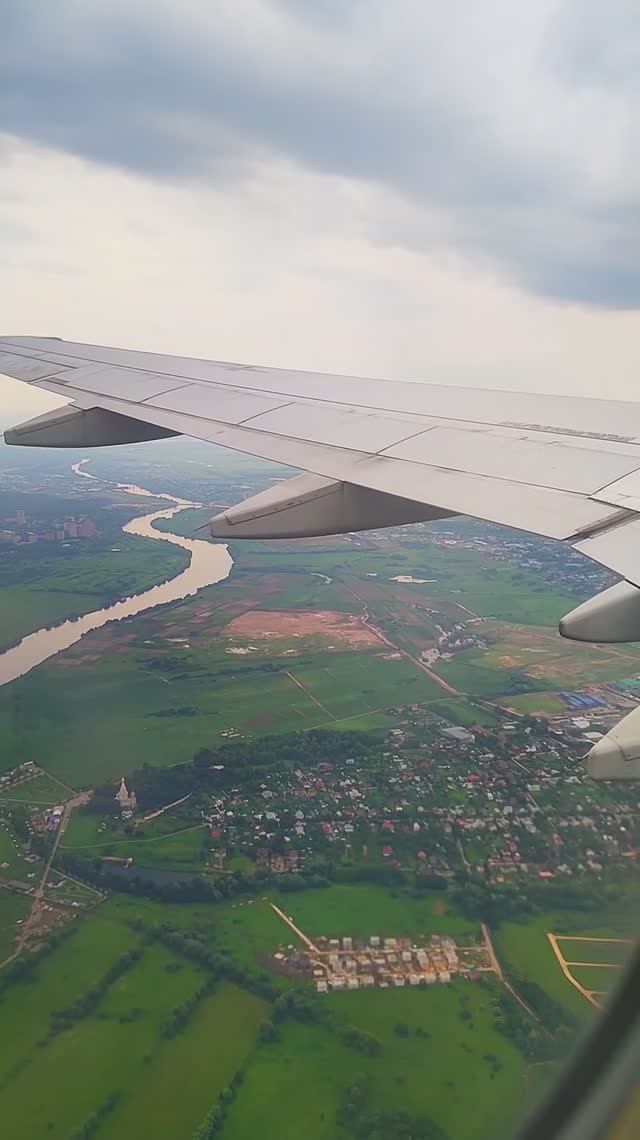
376, 453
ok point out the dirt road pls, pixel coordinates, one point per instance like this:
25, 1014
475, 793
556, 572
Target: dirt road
296, 930
366, 620
500, 973
32, 919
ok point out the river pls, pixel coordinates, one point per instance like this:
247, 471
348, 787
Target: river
208, 564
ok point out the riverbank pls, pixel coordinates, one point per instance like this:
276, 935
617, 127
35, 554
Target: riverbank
207, 564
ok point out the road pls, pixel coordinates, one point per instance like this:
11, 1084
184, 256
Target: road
500, 973
296, 930
31, 920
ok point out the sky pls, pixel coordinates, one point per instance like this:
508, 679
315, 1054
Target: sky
421, 191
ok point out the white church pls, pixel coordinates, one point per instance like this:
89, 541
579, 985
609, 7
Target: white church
126, 799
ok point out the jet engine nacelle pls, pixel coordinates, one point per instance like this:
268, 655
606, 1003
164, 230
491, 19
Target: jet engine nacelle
83, 427
310, 505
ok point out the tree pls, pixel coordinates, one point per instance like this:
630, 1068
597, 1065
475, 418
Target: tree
267, 1033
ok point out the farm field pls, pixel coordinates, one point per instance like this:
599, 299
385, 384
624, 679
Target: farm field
310, 1068
464, 712
67, 1079
64, 974
182, 1080
364, 910
526, 948
118, 697
14, 908
306, 1071
13, 864
556, 662
596, 980
593, 950
42, 790
488, 588
180, 849
535, 703
449, 1035
469, 673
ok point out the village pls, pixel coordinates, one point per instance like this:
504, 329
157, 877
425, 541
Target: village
498, 804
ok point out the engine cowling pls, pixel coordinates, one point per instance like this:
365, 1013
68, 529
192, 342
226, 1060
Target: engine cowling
310, 505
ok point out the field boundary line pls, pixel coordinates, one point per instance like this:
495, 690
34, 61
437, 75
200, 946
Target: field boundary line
307, 693
138, 842
597, 965
553, 941
589, 938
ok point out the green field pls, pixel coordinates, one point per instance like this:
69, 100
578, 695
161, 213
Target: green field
535, 702
487, 587
295, 1086
464, 712
176, 1089
179, 849
526, 948
468, 673
579, 950
594, 979
52, 712
365, 910
13, 909
61, 977
67, 1079
40, 791
13, 864
53, 1086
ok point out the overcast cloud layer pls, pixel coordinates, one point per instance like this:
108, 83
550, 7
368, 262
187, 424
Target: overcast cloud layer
445, 192
517, 122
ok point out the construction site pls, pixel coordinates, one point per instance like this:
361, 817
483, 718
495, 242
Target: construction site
354, 963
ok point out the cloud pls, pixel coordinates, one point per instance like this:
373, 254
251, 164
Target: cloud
280, 270
511, 126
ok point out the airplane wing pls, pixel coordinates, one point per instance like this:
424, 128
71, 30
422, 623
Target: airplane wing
376, 452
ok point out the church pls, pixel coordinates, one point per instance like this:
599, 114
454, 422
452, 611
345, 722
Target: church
125, 798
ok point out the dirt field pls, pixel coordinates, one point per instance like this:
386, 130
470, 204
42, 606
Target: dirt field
273, 624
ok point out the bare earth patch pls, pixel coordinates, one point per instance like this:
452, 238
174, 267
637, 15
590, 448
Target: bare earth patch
266, 624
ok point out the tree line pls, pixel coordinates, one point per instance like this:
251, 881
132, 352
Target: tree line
91, 1124
354, 1119
235, 763
82, 1006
